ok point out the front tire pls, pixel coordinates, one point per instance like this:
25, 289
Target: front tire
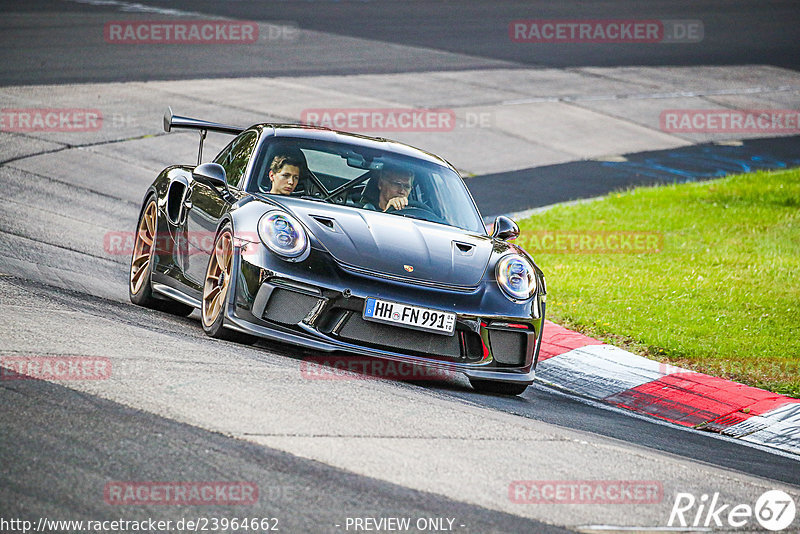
140, 289
499, 388
216, 287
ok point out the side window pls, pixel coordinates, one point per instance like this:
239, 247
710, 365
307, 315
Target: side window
236, 155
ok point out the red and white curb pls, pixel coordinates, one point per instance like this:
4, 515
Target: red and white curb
588, 367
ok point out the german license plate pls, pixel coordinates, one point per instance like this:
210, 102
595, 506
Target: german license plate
417, 317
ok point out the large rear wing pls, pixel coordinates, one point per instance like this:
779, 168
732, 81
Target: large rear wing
175, 121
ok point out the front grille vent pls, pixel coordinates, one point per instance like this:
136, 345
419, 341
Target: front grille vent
288, 307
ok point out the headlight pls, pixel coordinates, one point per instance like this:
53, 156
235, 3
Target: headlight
282, 234
516, 277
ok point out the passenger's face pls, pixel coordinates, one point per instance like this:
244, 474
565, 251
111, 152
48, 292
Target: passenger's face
285, 180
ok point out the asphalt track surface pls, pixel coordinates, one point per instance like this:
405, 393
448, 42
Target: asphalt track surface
59, 471
59, 446
472, 34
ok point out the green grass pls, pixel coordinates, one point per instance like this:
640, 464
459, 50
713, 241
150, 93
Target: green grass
722, 296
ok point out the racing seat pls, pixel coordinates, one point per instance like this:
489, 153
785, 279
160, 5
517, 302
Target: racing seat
370, 194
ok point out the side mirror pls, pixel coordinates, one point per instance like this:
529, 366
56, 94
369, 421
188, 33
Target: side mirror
212, 174
505, 229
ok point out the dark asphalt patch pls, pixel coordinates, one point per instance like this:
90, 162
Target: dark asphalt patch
38, 50
509, 192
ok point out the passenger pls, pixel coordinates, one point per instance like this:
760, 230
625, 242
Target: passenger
284, 173
394, 186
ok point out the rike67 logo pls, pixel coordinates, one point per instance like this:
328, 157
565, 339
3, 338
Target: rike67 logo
774, 510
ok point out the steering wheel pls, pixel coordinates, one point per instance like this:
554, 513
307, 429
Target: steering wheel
417, 210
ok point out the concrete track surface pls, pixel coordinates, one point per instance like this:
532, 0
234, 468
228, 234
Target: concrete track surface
179, 406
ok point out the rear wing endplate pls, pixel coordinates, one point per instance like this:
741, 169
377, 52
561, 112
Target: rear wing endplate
175, 121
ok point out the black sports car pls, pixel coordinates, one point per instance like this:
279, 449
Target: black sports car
340, 242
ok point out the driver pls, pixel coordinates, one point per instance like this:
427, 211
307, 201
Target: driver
394, 186
284, 172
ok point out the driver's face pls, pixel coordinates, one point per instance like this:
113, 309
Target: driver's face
392, 186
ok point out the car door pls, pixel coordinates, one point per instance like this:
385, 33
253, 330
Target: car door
207, 206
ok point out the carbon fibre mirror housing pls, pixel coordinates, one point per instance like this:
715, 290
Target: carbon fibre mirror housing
505, 229
211, 174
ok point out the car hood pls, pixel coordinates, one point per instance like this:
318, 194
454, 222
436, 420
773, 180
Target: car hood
395, 245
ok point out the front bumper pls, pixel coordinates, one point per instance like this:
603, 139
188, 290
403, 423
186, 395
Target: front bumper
317, 305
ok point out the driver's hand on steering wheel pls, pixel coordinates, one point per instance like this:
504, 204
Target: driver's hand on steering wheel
397, 203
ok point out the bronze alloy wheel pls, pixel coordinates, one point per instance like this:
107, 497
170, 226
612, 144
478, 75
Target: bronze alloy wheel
143, 262
218, 278
215, 290
143, 249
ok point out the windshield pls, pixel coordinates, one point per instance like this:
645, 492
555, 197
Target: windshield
364, 178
